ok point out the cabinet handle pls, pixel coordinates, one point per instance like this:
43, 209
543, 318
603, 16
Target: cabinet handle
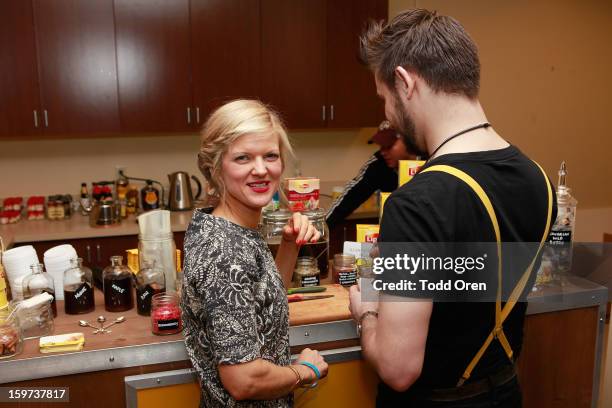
198, 115
98, 253
35, 118
88, 252
46, 118
323, 112
189, 116
331, 113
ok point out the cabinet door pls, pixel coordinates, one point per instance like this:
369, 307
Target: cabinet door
225, 53
19, 93
293, 60
350, 85
153, 63
76, 49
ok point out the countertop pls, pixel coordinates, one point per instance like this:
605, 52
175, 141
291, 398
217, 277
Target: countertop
312, 322
77, 227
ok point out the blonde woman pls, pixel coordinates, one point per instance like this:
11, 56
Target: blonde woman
235, 310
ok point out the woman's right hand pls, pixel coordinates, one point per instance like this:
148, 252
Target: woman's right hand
313, 357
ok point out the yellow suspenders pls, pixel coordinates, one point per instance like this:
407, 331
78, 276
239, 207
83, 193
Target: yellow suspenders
501, 314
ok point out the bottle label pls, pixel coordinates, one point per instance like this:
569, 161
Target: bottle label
117, 288
80, 291
347, 278
560, 237
151, 198
310, 281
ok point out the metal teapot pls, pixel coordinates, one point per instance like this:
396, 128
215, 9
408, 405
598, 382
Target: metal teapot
181, 196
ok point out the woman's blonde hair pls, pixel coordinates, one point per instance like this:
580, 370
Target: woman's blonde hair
225, 125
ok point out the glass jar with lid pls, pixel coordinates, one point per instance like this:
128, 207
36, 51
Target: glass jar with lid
306, 272
11, 336
117, 284
34, 315
39, 281
166, 314
345, 269
78, 288
150, 280
273, 223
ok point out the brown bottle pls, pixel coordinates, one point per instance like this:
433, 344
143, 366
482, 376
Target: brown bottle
117, 284
78, 288
149, 197
132, 200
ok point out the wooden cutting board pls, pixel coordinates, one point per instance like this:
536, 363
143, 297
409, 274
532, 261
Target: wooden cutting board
321, 310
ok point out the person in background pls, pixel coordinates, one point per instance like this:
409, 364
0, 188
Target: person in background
234, 303
475, 188
379, 173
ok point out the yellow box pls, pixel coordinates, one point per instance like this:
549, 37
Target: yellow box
367, 232
407, 170
383, 198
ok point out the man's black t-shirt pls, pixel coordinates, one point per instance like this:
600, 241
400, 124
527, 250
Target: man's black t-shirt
438, 207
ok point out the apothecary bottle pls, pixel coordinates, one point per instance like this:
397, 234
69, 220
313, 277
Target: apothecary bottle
78, 288
150, 280
39, 281
117, 284
166, 314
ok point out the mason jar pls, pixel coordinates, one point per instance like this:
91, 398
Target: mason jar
318, 250
345, 269
165, 314
306, 272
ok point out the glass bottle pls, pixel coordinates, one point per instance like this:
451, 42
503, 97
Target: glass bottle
345, 269
37, 282
117, 284
132, 200
306, 272
557, 253
149, 197
166, 314
78, 288
11, 336
150, 280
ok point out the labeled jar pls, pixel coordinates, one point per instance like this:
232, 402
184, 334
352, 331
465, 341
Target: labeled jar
11, 336
117, 285
306, 272
39, 281
345, 269
150, 281
166, 314
78, 288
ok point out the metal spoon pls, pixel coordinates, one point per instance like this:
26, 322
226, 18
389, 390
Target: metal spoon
120, 319
101, 320
84, 323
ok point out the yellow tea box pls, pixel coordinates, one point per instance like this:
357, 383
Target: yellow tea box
367, 232
383, 198
408, 169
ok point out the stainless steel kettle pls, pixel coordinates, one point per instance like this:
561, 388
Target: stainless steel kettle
181, 196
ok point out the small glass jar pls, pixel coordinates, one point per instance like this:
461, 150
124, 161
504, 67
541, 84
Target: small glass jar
306, 272
11, 336
150, 280
272, 225
78, 288
37, 282
117, 284
166, 314
35, 321
345, 269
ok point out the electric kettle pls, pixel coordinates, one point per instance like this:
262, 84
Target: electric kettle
181, 196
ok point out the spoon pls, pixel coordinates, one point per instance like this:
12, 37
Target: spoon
120, 319
101, 320
84, 323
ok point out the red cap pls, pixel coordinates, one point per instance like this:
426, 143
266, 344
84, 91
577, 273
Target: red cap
385, 137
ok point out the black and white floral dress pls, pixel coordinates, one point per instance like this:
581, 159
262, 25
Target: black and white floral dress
234, 305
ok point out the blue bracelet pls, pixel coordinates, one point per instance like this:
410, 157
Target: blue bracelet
312, 367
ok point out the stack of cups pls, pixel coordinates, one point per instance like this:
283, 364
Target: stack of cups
17, 263
57, 261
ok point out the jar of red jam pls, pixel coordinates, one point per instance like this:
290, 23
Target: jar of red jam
166, 314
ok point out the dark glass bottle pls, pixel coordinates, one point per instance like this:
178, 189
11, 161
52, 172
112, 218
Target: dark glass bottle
149, 197
150, 280
117, 284
78, 288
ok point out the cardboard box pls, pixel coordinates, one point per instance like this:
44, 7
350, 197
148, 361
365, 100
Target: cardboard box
367, 232
302, 193
408, 169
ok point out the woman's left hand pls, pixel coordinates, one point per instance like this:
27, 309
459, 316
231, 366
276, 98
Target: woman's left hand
300, 230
